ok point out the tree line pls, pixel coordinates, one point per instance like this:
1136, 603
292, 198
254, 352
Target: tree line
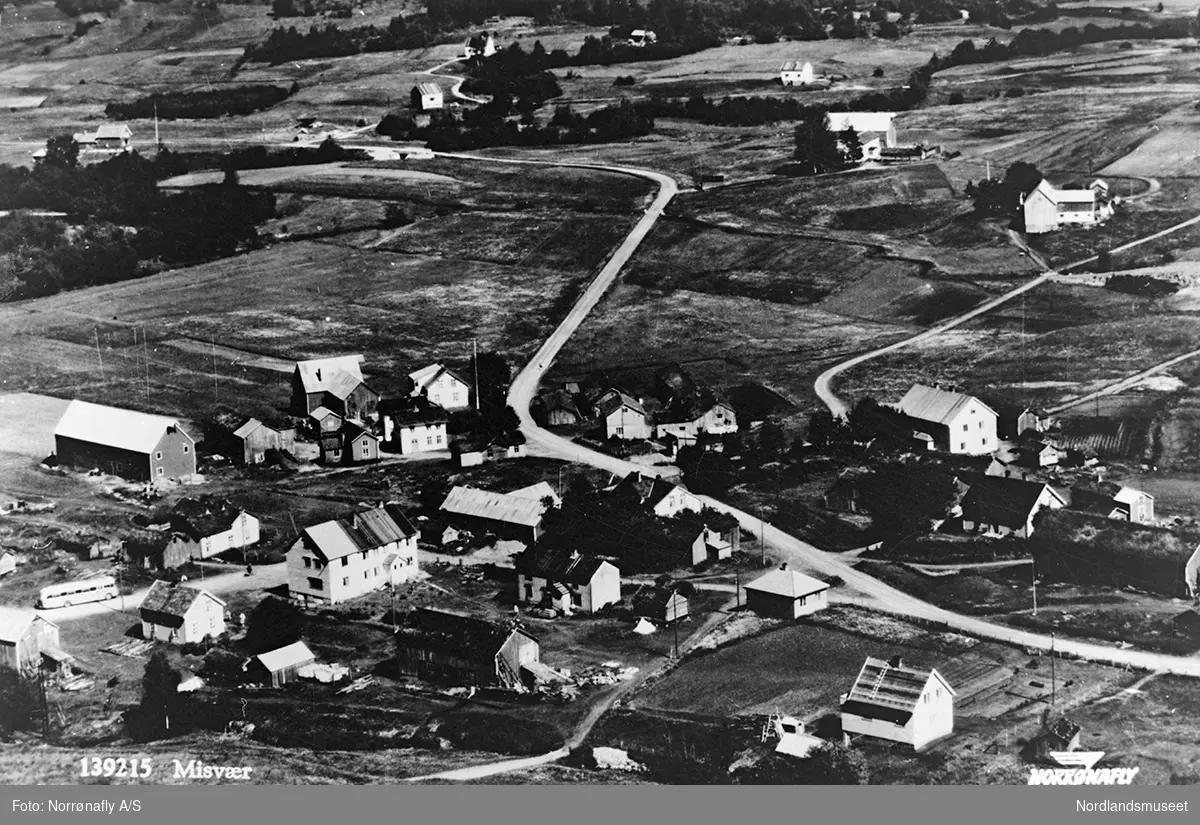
118, 225
205, 103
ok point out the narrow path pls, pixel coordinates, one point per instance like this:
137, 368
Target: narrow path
1124, 383
458, 81
839, 408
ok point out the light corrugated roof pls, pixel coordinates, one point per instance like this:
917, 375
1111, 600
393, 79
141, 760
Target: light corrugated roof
937, 405
537, 492
247, 428
318, 374
787, 583
1128, 495
113, 427
293, 655
113, 131
860, 121
505, 507
364, 530
429, 88
795, 66
14, 623
882, 685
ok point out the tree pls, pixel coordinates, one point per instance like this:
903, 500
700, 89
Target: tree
772, 440
160, 683
851, 145
62, 152
905, 498
273, 623
817, 148
20, 699
829, 764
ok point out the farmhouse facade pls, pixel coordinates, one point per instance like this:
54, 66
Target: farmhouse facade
352, 555
427, 97
958, 423
795, 73
622, 416
1006, 506
663, 498
1047, 209
892, 701
566, 580
414, 425
214, 527
181, 615
1114, 501
441, 386
134, 445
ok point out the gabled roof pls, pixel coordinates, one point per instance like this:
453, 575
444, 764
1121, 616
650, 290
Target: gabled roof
425, 376
293, 655
442, 631
318, 375
787, 583
558, 565
649, 491
173, 600
250, 426
860, 121
113, 131
505, 507
428, 89
364, 530
321, 413
1005, 501
538, 492
14, 623
114, 427
351, 431
341, 384
413, 411
888, 691
611, 403
1128, 495
794, 66
933, 404
1056, 195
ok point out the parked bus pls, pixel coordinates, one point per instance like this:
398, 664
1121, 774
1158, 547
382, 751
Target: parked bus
99, 589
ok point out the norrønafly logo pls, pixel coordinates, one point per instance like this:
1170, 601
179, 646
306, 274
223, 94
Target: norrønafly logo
1079, 768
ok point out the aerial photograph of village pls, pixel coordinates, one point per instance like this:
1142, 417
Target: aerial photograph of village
599, 392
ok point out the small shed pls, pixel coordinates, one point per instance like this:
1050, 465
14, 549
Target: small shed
427, 96
282, 666
786, 594
8, 563
661, 605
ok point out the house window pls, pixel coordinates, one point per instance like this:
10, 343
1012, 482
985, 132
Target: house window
962, 446
454, 397
186, 449
158, 455
365, 444
160, 471
345, 560
366, 574
620, 431
307, 562
315, 584
428, 440
346, 581
965, 427
439, 439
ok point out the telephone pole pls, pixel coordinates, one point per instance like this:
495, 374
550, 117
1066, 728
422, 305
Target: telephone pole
762, 536
1053, 676
475, 363
1033, 578
99, 357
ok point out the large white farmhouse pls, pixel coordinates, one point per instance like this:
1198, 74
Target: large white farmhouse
958, 423
890, 700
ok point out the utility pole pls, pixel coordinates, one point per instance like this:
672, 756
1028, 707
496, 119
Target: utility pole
989, 168
675, 626
213, 340
475, 362
99, 357
41, 674
737, 582
762, 536
146, 358
1033, 578
1053, 676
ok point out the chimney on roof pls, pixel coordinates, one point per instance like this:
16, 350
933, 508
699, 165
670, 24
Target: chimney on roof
895, 661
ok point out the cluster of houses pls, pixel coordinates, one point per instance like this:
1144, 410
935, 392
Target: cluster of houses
1048, 208
1022, 476
109, 138
682, 409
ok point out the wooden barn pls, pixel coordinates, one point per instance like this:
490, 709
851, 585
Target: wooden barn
451, 648
134, 445
27, 640
334, 383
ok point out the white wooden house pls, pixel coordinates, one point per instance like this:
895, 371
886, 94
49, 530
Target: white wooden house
663, 498
27, 640
414, 425
567, 580
623, 416
958, 423
352, 555
181, 615
876, 130
892, 701
441, 386
427, 97
214, 527
795, 73
1047, 208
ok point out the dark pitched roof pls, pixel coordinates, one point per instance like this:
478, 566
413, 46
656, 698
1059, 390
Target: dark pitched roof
413, 410
439, 630
654, 600
1061, 730
351, 431
647, 490
203, 518
558, 565
560, 400
171, 601
608, 403
1004, 501
363, 530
